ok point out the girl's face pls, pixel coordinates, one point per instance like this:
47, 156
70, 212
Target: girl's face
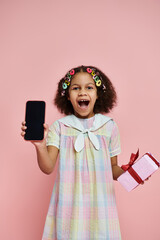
83, 95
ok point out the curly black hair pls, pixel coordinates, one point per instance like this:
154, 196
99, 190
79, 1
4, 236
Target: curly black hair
107, 97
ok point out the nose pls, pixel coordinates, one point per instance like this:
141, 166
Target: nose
82, 92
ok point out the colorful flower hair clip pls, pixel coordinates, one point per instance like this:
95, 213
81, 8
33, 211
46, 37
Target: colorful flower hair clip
67, 80
95, 76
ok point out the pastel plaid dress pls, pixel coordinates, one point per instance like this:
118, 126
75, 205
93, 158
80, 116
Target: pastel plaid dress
83, 205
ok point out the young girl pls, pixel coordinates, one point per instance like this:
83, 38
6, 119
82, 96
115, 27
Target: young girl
82, 205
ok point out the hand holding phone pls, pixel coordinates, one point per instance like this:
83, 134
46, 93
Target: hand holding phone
34, 118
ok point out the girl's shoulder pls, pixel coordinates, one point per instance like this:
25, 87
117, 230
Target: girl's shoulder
101, 120
57, 123
106, 122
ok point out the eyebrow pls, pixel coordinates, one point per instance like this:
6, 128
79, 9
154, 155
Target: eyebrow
76, 84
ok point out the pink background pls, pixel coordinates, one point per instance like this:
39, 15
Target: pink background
40, 41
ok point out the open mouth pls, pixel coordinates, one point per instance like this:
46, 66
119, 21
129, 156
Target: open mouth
83, 103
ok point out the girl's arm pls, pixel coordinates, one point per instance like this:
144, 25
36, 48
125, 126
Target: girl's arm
116, 170
46, 156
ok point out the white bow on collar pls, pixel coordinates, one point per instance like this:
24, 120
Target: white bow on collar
73, 121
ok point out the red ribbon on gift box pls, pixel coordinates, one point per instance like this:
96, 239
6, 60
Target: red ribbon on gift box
128, 167
133, 158
135, 175
154, 160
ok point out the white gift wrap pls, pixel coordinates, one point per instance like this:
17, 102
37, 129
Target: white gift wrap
144, 167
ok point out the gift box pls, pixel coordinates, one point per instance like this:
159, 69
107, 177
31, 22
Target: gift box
138, 171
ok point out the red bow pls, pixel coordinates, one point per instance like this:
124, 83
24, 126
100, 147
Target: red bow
132, 160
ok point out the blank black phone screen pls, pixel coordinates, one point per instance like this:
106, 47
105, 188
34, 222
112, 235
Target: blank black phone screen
35, 116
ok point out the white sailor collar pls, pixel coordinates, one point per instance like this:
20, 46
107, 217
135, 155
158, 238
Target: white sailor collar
74, 122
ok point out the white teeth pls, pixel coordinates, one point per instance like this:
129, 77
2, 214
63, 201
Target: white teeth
83, 102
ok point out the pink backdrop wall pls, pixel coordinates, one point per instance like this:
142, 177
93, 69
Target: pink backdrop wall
40, 40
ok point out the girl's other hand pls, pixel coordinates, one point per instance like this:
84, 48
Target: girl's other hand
146, 179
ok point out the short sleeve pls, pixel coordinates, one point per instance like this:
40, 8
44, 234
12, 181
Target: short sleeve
53, 138
114, 143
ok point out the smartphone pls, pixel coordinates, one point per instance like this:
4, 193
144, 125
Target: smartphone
34, 117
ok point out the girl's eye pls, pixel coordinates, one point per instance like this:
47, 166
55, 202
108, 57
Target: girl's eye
75, 88
89, 87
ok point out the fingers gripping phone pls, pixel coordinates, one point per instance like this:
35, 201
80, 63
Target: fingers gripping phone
34, 117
